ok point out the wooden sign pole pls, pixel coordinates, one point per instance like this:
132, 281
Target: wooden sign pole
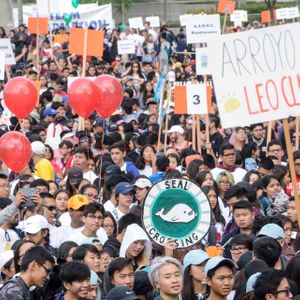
194, 132
198, 134
160, 116
50, 30
291, 166
169, 94
297, 133
81, 120
269, 131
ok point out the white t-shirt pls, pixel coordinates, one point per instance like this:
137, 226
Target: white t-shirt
7, 242
90, 176
63, 234
79, 237
108, 206
147, 171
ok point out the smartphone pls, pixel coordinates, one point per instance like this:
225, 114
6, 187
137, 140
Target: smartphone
28, 192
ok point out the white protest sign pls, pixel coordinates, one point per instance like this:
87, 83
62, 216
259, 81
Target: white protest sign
184, 19
126, 47
196, 98
46, 7
2, 65
9, 57
202, 61
292, 12
154, 21
201, 27
281, 13
84, 16
16, 17
257, 74
239, 16
136, 23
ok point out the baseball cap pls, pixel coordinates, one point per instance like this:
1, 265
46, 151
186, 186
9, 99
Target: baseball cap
35, 223
49, 112
272, 230
99, 122
91, 241
176, 128
121, 292
113, 170
123, 188
77, 201
38, 148
5, 257
113, 127
214, 262
251, 282
195, 257
75, 175
143, 183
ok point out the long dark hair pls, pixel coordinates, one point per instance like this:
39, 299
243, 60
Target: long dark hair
216, 211
188, 292
140, 162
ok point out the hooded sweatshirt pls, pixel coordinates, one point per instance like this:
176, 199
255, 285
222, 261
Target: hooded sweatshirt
135, 233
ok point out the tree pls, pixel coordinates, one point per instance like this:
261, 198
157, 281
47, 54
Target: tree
271, 7
123, 6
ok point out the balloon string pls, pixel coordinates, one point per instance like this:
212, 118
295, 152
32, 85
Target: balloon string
17, 124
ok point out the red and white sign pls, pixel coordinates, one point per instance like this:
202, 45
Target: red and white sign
192, 99
257, 74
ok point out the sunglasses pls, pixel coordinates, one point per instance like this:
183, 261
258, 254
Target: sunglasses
51, 207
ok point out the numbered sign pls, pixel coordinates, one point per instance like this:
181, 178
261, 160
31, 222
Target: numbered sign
192, 99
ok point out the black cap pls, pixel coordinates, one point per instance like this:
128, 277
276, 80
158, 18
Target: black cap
121, 293
113, 127
75, 175
113, 170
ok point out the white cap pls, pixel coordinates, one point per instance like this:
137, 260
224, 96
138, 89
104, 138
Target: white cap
5, 257
176, 128
143, 183
38, 148
35, 223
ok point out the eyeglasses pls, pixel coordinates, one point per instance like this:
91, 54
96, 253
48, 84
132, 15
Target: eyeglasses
229, 154
48, 271
275, 150
99, 218
107, 259
51, 207
237, 249
287, 291
109, 225
135, 66
5, 186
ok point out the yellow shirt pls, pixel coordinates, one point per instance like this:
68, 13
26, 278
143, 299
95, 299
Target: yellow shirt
44, 169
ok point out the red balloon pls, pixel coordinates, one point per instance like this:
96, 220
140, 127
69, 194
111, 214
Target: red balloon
15, 150
20, 96
111, 95
83, 96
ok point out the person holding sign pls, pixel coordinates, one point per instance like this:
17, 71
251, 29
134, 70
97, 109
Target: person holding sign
228, 155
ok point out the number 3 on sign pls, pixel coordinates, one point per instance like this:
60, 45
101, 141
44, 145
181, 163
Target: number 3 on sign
196, 98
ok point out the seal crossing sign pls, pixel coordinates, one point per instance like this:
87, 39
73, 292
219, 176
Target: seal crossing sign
176, 209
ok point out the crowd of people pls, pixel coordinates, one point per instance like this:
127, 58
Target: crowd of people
71, 221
